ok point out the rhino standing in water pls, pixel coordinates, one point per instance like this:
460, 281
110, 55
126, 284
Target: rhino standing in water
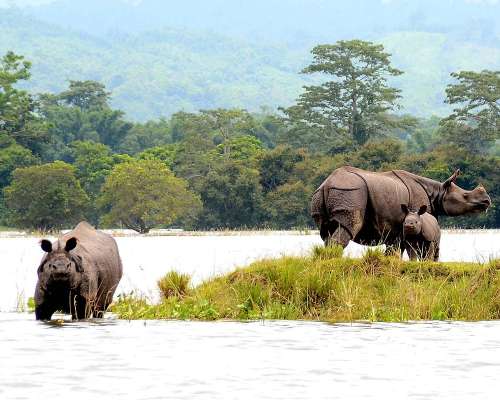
78, 274
363, 206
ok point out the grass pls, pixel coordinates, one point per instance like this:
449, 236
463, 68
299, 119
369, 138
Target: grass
327, 287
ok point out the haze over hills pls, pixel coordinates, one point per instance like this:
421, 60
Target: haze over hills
162, 56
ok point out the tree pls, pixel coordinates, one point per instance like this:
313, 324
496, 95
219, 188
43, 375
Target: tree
145, 136
353, 105
18, 118
288, 206
45, 197
244, 148
475, 123
93, 163
378, 155
86, 95
143, 194
276, 166
166, 154
227, 123
81, 113
231, 196
12, 156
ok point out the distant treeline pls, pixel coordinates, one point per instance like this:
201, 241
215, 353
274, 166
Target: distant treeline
70, 155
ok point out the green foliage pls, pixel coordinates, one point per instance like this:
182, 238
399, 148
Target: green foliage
277, 165
231, 196
12, 156
288, 206
17, 107
45, 197
166, 154
475, 124
378, 155
249, 169
143, 194
246, 148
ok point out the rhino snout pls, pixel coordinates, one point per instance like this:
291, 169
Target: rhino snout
59, 270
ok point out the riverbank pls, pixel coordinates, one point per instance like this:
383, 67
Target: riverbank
327, 287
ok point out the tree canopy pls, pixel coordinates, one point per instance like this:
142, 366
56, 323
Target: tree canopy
142, 194
45, 197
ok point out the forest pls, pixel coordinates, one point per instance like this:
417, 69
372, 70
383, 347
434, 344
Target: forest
71, 155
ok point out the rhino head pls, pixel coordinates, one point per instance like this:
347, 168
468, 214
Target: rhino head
458, 201
60, 267
412, 224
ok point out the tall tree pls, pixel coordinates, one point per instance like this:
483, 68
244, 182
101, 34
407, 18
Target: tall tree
18, 118
353, 104
475, 123
86, 95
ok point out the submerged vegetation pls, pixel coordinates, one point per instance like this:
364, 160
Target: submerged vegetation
328, 287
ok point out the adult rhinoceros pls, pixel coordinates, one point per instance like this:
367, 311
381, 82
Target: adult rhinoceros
363, 206
78, 274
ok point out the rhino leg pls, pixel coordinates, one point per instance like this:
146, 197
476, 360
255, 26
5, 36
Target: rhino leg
43, 312
436, 252
341, 236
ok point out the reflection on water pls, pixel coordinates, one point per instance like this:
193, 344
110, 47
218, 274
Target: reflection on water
147, 258
257, 360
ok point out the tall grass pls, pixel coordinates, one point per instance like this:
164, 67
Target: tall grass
327, 287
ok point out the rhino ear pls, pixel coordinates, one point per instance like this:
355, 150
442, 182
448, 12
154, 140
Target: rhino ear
451, 179
404, 207
70, 244
46, 245
422, 210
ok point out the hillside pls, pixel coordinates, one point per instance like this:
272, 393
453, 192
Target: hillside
158, 72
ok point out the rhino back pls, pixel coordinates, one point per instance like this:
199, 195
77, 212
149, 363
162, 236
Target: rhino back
100, 256
430, 228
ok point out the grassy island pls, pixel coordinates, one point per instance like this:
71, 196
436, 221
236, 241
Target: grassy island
328, 287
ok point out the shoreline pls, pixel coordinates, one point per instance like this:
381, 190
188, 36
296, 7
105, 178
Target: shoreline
7, 234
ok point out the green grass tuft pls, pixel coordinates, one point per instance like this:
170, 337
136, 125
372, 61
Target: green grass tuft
174, 284
327, 252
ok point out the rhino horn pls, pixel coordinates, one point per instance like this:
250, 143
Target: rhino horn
452, 178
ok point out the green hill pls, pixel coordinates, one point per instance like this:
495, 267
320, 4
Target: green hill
156, 73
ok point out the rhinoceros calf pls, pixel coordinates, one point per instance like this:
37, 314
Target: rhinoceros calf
421, 234
78, 274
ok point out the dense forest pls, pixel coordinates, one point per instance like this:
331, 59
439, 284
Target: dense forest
70, 155
158, 57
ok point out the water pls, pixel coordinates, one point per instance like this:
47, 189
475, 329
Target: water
147, 258
230, 360
233, 360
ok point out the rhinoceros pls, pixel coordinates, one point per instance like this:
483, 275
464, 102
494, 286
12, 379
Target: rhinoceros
78, 274
363, 206
421, 234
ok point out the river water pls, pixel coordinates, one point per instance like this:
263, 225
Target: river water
258, 360
233, 360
